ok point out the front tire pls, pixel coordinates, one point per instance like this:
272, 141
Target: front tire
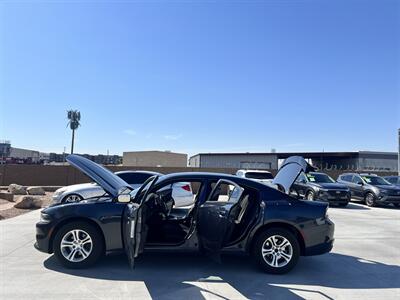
310, 195
370, 199
276, 250
78, 245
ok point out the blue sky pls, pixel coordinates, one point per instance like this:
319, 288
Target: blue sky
194, 76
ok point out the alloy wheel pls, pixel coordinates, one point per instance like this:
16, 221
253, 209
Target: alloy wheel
72, 199
277, 251
76, 245
369, 199
310, 196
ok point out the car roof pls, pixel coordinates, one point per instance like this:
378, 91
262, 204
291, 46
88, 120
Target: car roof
138, 171
255, 171
212, 176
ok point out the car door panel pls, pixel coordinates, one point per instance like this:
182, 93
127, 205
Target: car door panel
131, 231
214, 218
133, 222
212, 224
358, 188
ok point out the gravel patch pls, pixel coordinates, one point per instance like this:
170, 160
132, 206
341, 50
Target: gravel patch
7, 209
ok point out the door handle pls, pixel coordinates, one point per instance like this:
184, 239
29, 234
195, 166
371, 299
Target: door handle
222, 213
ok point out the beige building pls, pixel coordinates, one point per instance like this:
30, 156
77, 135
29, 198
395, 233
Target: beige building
154, 159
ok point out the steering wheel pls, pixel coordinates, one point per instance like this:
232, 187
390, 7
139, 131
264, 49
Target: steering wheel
165, 202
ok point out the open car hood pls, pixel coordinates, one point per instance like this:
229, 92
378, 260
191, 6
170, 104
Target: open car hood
290, 169
110, 182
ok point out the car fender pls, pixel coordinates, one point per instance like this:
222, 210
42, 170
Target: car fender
106, 215
70, 219
297, 214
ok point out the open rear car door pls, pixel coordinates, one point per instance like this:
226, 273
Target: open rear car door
289, 171
133, 221
216, 219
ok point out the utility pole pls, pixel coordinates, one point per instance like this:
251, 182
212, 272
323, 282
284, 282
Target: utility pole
74, 116
398, 153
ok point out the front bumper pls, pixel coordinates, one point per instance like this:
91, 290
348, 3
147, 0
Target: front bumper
43, 237
389, 199
334, 198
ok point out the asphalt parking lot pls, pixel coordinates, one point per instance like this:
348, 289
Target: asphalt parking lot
364, 264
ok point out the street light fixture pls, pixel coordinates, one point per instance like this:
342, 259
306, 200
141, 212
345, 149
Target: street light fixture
74, 117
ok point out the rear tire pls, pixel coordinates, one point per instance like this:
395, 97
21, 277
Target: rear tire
396, 205
276, 250
370, 199
83, 239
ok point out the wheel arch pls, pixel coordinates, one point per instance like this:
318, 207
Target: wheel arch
71, 220
368, 192
278, 224
310, 189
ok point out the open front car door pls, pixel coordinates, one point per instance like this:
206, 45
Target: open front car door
133, 221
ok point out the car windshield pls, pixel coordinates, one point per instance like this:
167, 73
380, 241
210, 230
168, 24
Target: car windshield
259, 175
319, 178
375, 180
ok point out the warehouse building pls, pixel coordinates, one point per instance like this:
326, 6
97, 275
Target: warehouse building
10, 154
154, 159
360, 160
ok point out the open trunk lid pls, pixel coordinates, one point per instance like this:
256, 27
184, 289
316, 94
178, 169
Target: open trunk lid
290, 170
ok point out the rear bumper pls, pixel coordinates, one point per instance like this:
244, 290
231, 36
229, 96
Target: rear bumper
319, 249
319, 239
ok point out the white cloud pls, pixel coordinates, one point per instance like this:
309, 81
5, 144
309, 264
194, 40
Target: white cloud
130, 132
172, 137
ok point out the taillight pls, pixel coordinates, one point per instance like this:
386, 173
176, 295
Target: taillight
186, 187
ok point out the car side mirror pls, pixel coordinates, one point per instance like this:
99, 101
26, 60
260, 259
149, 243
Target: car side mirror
124, 198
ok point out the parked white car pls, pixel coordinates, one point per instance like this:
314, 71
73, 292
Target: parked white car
181, 192
257, 175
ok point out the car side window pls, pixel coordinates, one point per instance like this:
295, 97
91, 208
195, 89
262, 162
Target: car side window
301, 178
391, 179
357, 179
183, 193
346, 178
224, 193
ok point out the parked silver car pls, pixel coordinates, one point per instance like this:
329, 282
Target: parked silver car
181, 191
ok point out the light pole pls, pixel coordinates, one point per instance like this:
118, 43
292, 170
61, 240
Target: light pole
74, 116
398, 153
